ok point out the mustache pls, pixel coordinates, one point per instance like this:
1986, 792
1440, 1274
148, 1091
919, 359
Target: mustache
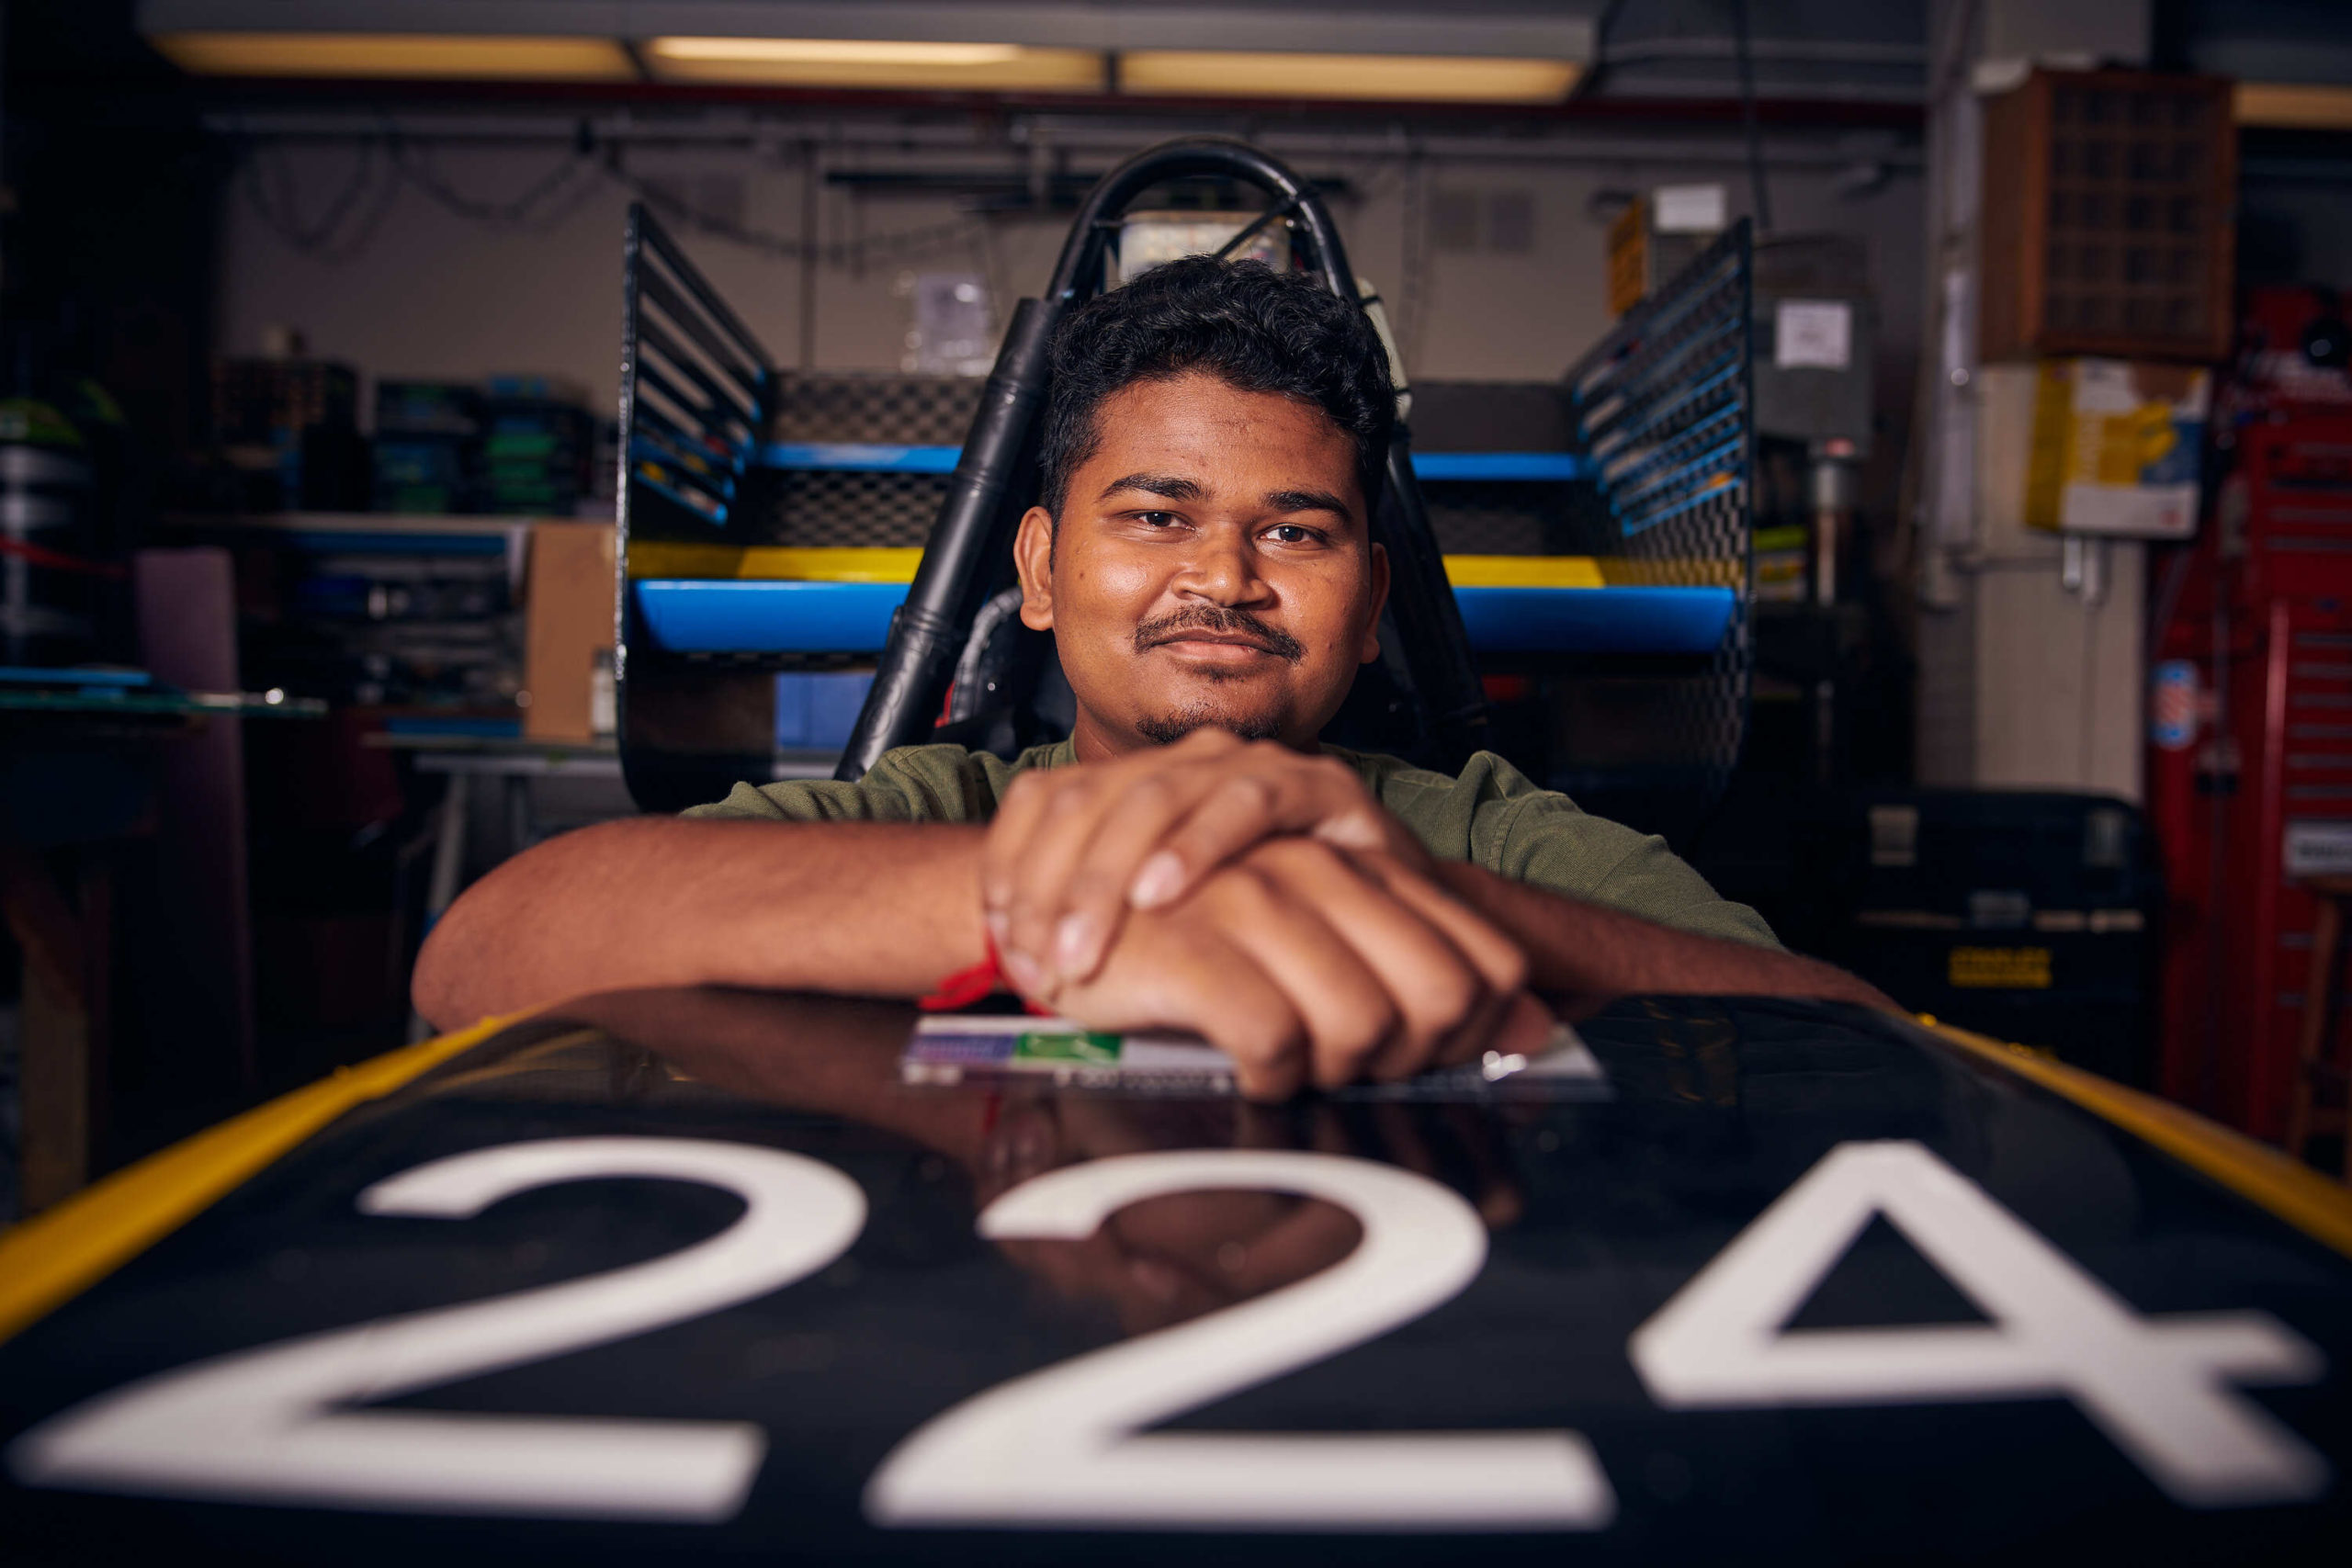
1226, 623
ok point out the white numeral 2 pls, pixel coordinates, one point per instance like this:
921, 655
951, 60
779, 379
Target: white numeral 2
2158, 1387
1061, 1447
261, 1426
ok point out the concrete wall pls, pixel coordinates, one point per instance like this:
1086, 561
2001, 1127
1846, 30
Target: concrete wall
2056, 670
2026, 681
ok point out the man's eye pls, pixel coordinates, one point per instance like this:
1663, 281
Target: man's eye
1291, 534
1156, 519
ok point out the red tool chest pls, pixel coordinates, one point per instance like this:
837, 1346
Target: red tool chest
2250, 771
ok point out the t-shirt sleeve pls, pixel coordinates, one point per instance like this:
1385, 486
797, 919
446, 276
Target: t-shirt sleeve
1549, 842
913, 783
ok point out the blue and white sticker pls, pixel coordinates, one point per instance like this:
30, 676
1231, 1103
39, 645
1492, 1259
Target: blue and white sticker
2174, 707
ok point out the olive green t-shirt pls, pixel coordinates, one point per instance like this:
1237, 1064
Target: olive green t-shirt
1491, 816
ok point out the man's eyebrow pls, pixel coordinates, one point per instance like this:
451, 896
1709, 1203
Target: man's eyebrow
1308, 501
1167, 485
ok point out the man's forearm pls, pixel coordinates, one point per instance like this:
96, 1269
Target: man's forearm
872, 908
1591, 951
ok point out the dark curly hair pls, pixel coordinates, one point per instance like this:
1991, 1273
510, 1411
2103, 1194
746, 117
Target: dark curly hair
1254, 328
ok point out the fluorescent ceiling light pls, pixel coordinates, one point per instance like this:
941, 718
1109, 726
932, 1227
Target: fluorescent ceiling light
911, 63
875, 63
833, 50
2294, 106
1427, 78
408, 56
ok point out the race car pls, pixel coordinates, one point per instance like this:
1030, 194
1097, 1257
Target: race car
679, 1276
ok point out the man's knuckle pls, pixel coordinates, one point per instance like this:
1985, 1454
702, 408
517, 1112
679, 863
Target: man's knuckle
1312, 856
1369, 1030
1350, 1016
1447, 993
1153, 792
1250, 792
1263, 1040
1289, 858
1342, 1054
1252, 1046
1252, 887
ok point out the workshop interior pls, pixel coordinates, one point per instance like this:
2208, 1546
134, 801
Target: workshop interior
1897, 451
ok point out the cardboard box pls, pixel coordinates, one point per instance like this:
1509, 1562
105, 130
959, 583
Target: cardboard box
568, 628
2118, 449
1658, 234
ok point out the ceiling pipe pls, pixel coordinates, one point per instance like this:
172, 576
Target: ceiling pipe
1116, 138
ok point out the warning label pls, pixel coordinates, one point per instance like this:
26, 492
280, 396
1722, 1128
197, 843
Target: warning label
2000, 968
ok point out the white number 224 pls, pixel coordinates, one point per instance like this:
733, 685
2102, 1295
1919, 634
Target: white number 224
1065, 1446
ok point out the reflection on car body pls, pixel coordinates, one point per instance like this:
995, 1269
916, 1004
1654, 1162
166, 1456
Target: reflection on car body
680, 1273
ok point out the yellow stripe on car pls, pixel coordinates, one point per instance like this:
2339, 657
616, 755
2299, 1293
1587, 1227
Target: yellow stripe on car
49, 1258
2289, 1189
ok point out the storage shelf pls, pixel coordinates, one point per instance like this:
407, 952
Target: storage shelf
373, 532
418, 523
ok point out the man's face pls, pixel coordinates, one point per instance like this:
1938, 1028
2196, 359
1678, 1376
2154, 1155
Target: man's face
1212, 565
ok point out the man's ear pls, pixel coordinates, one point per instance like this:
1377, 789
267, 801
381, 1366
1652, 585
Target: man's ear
1032, 558
1379, 603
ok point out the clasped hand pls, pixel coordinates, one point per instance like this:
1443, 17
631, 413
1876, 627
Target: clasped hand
1260, 898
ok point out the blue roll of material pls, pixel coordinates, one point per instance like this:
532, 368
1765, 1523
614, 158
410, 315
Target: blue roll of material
726, 615
730, 615
879, 457
1595, 620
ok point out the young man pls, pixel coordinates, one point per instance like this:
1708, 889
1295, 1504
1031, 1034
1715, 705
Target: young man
1190, 857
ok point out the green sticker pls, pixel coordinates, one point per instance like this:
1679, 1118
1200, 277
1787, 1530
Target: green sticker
1086, 1046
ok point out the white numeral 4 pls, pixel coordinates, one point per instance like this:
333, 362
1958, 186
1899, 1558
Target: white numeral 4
2160, 1387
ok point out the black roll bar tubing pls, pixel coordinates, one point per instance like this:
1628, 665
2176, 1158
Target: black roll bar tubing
927, 631
927, 634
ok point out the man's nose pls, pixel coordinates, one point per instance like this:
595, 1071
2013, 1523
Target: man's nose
1222, 567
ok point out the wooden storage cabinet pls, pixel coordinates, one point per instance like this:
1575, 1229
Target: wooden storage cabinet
2108, 224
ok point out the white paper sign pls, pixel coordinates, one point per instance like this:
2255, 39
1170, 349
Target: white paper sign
2319, 848
1688, 210
2105, 386
1812, 335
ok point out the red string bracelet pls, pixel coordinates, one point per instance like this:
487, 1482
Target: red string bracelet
982, 980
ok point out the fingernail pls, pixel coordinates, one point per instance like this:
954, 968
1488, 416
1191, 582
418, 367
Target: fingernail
1352, 833
1074, 945
1022, 972
1157, 881
998, 923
